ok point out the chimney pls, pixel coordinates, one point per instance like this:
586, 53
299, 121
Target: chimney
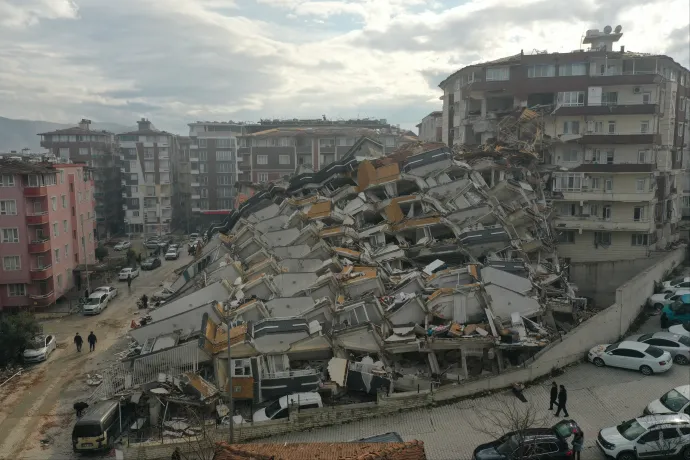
622, 48
84, 124
144, 124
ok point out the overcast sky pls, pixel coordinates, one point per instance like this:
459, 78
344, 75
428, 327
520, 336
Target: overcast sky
176, 61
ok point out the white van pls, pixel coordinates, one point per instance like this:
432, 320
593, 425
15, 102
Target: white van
279, 409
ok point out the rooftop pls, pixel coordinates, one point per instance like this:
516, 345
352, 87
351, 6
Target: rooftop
75, 131
25, 167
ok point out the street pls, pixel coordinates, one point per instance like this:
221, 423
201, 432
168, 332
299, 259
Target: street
597, 398
36, 416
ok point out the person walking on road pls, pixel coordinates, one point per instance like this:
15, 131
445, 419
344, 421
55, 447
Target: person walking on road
562, 400
92, 341
129, 283
554, 395
78, 341
578, 443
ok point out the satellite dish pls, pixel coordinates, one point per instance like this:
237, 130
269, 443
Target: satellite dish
618, 29
607, 30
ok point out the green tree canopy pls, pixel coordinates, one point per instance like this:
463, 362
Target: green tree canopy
16, 332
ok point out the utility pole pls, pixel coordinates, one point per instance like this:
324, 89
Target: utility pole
86, 255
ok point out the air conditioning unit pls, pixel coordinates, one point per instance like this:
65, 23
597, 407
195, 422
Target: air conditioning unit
637, 90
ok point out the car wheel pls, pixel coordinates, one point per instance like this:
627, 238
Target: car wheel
681, 359
599, 362
646, 370
626, 456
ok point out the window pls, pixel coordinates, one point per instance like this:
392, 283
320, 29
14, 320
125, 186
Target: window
598, 126
64, 226
135, 213
609, 98
638, 213
203, 167
681, 106
64, 153
596, 183
567, 182
571, 156
603, 157
571, 70
608, 185
284, 159
222, 143
224, 167
571, 127
612, 127
53, 202
566, 237
56, 230
66, 250
223, 155
497, 73
224, 179
262, 159
389, 142
603, 238
7, 180
150, 191
10, 235
134, 177
644, 126
8, 208
57, 255
34, 180
640, 185
606, 212
203, 156
202, 142
571, 98
241, 367
644, 156
149, 166
646, 98
148, 153
16, 290
262, 177
326, 142
11, 263
59, 281
543, 70
149, 178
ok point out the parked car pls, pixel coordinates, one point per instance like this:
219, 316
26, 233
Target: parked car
40, 348
97, 303
631, 355
677, 345
128, 272
530, 444
111, 291
193, 236
680, 329
659, 301
652, 436
152, 243
279, 409
677, 312
172, 254
122, 245
151, 263
673, 285
674, 401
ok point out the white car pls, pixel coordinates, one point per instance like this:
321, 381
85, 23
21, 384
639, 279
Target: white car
41, 347
680, 329
652, 436
279, 408
127, 273
676, 283
173, 253
122, 245
659, 301
97, 303
193, 236
672, 402
111, 291
631, 355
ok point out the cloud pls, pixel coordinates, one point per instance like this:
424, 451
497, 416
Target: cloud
177, 61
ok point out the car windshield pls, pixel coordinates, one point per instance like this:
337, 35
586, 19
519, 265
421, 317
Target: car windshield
611, 347
630, 430
675, 306
37, 342
684, 340
654, 352
644, 337
126, 270
669, 295
676, 281
272, 409
509, 446
686, 326
148, 261
93, 301
674, 401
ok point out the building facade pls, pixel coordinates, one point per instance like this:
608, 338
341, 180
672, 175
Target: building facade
617, 124
47, 222
146, 157
431, 127
98, 150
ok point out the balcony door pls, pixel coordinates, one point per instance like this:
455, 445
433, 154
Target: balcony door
38, 208
43, 288
40, 262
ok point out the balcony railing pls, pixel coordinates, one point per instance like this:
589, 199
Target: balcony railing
37, 218
41, 273
40, 245
588, 222
42, 300
35, 191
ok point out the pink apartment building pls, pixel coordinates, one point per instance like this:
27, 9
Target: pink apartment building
46, 230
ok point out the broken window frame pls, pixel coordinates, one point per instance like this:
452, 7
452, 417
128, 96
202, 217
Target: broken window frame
245, 365
566, 237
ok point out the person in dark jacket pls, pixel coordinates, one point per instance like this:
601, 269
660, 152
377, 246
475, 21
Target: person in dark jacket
554, 395
176, 454
80, 407
578, 444
92, 341
78, 341
562, 400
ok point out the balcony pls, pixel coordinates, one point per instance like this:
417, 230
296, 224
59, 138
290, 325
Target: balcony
585, 222
194, 171
601, 195
43, 300
43, 273
196, 196
610, 109
39, 246
632, 137
37, 218
35, 191
195, 184
197, 209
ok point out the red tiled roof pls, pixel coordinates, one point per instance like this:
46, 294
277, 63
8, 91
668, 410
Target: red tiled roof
322, 451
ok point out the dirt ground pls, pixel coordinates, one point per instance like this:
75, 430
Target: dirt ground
36, 413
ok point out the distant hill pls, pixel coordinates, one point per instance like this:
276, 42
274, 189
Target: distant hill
19, 134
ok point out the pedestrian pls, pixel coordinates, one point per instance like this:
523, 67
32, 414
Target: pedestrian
578, 443
78, 341
92, 341
176, 455
86, 294
145, 300
554, 395
80, 407
129, 282
562, 400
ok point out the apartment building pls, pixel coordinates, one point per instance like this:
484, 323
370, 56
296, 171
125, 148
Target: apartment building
146, 157
98, 150
431, 127
617, 124
182, 189
46, 230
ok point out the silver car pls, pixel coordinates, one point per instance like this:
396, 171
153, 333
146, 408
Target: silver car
677, 345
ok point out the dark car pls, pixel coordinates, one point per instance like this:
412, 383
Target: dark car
151, 263
530, 444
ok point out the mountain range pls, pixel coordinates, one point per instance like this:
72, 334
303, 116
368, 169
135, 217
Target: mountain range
20, 134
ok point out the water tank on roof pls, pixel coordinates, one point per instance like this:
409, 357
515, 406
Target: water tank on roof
607, 30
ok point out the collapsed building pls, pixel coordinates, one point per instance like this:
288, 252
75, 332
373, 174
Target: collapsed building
391, 273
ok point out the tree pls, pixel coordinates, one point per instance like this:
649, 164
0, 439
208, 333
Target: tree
101, 253
131, 256
16, 332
